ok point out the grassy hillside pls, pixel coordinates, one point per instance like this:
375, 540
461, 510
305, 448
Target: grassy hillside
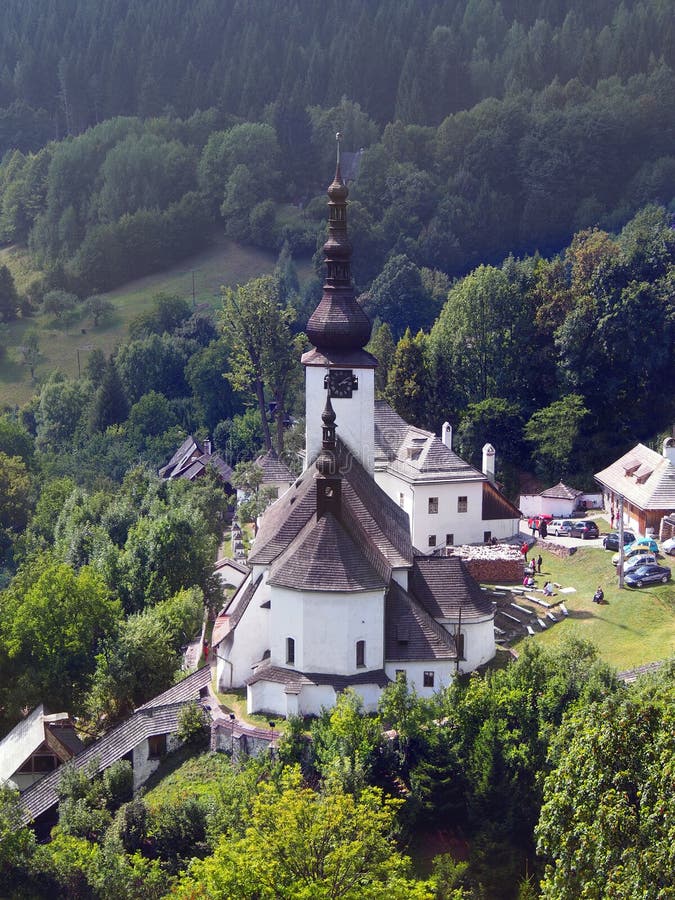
631, 628
223, 263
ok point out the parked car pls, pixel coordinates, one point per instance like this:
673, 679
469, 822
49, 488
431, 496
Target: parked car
611, 542
669, 546
652, 574
535, 521
641, 559
631, 551
560, 527
586, 529
647, 542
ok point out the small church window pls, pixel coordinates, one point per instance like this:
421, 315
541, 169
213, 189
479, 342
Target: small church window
433, 505
428, 679
432, 540
290, 651
360, 653
462, 504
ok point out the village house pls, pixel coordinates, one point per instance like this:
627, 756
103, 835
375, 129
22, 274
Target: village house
39, 744
644, 481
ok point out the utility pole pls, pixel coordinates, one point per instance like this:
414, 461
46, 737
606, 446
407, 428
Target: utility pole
621, 541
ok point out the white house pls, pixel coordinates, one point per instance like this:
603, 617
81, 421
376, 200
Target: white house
448, 501
337, 596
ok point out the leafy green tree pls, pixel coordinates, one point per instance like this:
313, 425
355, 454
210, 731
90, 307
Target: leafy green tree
554, 432
155, 363
607, 818
9, 297
407, 383
151, 415
17, 842
205, 373
16, 493
193, 726
30, 350
59, 303
99, 308
54, 621
60, 411
382, 346
302, 845
247, 478
399, 298
15, 440
265, 356
241, 437
169, 313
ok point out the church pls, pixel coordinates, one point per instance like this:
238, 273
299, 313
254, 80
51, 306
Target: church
337, 594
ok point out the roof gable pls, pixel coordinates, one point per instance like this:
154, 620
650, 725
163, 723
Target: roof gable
644, 477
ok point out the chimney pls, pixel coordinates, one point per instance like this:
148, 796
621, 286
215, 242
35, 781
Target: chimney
207, 446
489, 462
669, 450
447, 435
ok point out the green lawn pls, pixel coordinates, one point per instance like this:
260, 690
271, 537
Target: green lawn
183, 775
632, 627
223, 263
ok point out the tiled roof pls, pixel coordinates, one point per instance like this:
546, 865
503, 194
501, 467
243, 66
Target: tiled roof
443, 586
410, 633
368, 514
187, 449
645, 478
496, 505
158, 716
280, 675
414, 453
561, 491
324, 558
274, 470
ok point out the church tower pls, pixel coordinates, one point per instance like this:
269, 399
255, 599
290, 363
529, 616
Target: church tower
339, 330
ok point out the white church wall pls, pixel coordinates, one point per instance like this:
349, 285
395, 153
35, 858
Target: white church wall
246, 646
325, 627
354, 415
266, 697
414, 671
479, 643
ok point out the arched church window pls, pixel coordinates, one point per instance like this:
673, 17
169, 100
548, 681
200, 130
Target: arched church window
290, 651
360, 653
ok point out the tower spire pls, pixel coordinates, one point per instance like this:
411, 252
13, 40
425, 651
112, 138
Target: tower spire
338, 325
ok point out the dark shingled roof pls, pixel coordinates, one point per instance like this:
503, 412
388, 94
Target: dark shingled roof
414, 453
158, 716
443, 586
274, 471
240, 601
410, 632
561, 491
280, 675
324, 558
374, 521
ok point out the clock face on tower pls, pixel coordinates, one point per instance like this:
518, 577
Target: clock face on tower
340, 383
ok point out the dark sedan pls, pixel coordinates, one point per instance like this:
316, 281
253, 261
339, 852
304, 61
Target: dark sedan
585, 529
611, 542
650, 574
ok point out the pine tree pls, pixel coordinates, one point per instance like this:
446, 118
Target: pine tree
9, 298
110, 405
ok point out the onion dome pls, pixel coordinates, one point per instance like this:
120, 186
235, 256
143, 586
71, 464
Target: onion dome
338, 324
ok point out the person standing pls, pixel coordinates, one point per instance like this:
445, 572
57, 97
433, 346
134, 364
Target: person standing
539, 562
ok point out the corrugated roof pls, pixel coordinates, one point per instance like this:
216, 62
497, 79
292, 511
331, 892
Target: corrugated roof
410, 632
158, 716
654, 491
443, 586
324, 558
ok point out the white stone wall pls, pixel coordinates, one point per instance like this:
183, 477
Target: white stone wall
466, 527
246, 645
142, 765
269, 697
325, 626
354, 415
479, 642
444, 672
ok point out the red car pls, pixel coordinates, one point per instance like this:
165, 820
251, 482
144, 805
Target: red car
535, 521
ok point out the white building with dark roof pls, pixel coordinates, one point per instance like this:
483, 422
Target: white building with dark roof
337, 596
